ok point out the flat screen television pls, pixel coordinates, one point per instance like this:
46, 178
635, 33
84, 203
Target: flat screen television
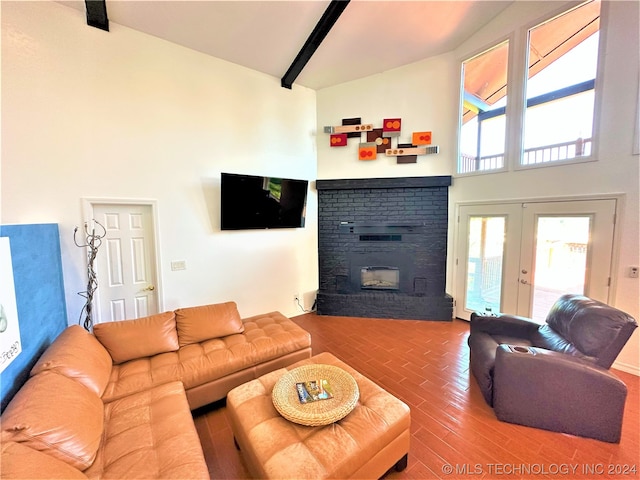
255, 202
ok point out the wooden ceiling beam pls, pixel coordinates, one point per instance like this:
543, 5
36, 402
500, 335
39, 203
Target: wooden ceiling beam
326, 22
97, 14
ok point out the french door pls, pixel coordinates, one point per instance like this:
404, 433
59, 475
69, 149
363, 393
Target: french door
519, 258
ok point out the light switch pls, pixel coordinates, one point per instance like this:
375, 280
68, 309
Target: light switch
178, 265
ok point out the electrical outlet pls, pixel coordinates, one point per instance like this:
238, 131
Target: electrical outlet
296, 298
633, 272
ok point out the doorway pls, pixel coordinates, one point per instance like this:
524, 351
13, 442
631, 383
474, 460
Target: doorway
518, 258
126, 264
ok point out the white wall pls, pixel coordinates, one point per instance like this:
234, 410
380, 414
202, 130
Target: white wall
425, 96
421, 94
121, 114
86, 113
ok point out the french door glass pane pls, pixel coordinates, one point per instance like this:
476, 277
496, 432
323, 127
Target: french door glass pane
484, 263
560, 261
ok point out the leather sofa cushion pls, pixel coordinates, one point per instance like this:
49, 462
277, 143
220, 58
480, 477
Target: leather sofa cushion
205, 322
594, 328
150, 434
139, 338
142, 374
547, 337
77, 354
58, 416
21, 462
265, 337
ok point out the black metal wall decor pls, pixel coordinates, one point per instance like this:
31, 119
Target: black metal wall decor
91, 241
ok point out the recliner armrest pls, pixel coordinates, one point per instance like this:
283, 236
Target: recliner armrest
549, 364
504, 325
545, 389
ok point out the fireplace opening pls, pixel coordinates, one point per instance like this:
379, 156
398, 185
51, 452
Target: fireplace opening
380, 278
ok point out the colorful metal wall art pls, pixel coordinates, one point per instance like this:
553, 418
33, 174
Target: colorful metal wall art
379, 140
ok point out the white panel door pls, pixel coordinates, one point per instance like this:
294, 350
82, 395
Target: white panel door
126, 267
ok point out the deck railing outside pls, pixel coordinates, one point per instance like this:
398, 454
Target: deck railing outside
532, 156
558, 151
484, 283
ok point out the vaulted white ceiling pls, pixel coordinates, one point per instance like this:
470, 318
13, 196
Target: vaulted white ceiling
369, 37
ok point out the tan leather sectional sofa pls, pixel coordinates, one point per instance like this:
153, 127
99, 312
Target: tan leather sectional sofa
116, 403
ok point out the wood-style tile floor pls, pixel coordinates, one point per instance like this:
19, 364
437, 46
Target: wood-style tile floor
454, 433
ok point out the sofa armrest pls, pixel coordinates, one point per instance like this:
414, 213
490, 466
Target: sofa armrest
504, 325
20, 461
550, 390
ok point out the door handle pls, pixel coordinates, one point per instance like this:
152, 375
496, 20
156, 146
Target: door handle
150, 288
524, 282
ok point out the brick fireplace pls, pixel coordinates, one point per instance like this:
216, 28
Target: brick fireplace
383, 247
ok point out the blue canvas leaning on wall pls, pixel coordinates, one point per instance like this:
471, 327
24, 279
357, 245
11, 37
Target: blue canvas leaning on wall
40, 300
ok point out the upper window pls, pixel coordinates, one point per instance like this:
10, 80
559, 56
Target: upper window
482, 135
558, 91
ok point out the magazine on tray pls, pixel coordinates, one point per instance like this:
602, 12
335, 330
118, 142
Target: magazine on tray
314, 390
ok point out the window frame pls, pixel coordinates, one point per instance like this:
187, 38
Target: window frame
517, 77
509, 39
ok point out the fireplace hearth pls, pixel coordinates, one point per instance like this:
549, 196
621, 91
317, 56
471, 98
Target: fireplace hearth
383, 248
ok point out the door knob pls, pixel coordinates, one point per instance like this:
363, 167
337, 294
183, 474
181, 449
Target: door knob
150, 288
524, 282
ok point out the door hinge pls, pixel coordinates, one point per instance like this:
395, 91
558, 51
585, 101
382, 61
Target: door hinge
609, 282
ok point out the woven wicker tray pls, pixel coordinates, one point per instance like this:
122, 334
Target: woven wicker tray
321, 412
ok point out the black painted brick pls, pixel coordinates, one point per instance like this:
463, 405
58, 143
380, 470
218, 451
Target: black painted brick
424, 202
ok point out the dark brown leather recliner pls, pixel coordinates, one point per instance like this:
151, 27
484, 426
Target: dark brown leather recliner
554, 375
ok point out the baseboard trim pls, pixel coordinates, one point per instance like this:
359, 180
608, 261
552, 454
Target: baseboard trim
628, 368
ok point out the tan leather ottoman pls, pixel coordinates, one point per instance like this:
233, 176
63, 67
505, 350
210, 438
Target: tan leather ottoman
369, 441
